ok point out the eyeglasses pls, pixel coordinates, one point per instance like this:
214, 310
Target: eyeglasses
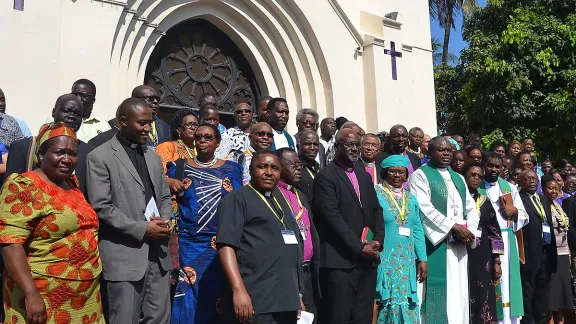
151, 98
475, 175
243, 111
189, 125
263, 134
349, 145
308, 122
370, 145
397, 172
207, 137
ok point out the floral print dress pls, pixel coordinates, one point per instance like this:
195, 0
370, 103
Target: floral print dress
396, 286
59, 232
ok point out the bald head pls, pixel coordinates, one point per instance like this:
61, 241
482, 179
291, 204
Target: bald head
308, 145
398, 139
347, 146
528, 181
353, 126
148, 94
68, 109
135, 117
261, 136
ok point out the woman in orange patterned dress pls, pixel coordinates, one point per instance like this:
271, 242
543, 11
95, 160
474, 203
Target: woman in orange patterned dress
182, 126
49, 235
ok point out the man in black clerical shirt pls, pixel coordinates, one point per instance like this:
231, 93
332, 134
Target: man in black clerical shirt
128, 191
345, 206
539, 250
260, 247
308, 146
68, 109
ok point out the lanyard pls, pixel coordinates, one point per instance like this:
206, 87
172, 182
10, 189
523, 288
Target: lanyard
281, 219
374, 178
401, 211
249, 152
187, 149
479, 202
562, 214
152, 134
538, 205
290, 205
310, 172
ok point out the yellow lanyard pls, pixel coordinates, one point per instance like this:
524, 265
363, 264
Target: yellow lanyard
249, 152
152, 132
539, 207
281, 219
562, 214
374, 177
290, 205
401, 211
187, 149
310, 172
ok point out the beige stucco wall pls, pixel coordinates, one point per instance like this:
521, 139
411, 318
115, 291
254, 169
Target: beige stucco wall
301, 49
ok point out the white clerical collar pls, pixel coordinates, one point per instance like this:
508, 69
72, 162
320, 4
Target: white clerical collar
268, 193
277, 131
368, 164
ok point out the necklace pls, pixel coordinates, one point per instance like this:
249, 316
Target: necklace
205, 164
181, 142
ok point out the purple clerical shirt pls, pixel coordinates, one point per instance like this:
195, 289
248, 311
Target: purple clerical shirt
303, 222
352, 177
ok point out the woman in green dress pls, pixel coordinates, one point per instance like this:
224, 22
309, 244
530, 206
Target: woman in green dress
403, 260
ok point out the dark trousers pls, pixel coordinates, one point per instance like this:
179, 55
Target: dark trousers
347, 295
308, 295
275, 318
535, 291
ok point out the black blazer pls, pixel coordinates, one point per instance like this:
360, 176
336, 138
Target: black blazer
19, 152
533, 236
307, 181
414, 160
162, 130
569, 206
322, 156
340, 217
315, 262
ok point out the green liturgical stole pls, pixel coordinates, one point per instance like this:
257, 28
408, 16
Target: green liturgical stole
516, 303
435, 303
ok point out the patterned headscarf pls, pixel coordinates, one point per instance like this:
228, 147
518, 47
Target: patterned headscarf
49, 131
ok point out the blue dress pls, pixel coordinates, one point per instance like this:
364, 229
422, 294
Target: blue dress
198, 298
396, 286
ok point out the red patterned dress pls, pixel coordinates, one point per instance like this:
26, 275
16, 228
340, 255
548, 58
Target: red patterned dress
59, 232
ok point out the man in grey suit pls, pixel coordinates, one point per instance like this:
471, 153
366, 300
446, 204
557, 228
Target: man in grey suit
123, 177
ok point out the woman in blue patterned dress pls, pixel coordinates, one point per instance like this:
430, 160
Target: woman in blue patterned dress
404, 247
205, 180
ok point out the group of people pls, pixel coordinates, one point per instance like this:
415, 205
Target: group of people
135, 220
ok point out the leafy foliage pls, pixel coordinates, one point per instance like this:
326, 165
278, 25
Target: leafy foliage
518, 76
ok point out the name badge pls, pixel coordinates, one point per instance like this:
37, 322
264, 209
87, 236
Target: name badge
404, 231
545, 228
479, 233
289, 237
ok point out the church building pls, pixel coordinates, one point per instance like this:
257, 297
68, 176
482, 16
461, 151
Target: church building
369, 60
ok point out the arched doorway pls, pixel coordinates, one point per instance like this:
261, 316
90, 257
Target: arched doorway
195, 57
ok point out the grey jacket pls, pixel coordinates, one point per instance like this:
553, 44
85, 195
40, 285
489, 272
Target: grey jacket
116, 193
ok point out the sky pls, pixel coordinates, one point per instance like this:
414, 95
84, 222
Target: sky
456, 42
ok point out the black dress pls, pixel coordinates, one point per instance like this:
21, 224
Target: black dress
480, 265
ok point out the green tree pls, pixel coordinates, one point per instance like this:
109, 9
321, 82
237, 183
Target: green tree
437, 52
445, 12
518, 75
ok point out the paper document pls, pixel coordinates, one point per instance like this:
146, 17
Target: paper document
151, 209
306, 318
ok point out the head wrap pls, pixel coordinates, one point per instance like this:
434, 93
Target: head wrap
453, 142
394, 161
49, 131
